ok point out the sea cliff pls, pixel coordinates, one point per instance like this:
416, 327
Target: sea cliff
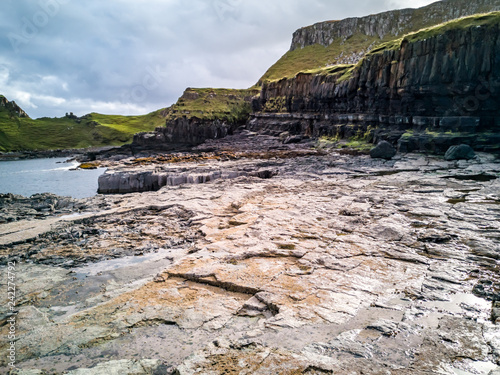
439, 80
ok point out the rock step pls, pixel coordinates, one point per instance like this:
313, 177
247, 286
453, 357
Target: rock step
138, 181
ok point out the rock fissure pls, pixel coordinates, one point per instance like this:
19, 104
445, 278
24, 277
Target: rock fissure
228, 286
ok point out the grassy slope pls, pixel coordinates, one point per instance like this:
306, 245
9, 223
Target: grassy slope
344, 71
225, 104
317, 56
94, 130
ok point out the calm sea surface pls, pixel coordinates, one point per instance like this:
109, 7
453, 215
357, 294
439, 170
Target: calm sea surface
28, 177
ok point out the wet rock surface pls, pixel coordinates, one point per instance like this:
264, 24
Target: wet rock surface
335, 264
16, 207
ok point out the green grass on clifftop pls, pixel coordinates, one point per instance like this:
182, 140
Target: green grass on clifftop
209, 104
344, 71
96, 130
477, 20
319, 57
93, 130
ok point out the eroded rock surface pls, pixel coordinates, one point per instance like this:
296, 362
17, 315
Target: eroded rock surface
336, 264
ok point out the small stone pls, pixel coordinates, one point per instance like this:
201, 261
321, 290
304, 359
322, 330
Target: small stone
386, 327
495, 313
460, 153
293, 139
384, 150
159, 279
283, 136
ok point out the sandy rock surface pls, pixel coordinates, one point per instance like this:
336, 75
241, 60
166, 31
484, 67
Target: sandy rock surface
337, 264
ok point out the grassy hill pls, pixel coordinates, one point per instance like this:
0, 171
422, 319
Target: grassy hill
93, 130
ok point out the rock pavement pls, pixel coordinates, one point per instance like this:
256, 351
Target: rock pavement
337, 264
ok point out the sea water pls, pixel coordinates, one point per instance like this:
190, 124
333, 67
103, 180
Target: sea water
55, 175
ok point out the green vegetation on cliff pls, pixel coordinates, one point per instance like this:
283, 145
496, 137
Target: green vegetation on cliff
93, 130
209, 104
346, 42
345, 71
317, 57
335, 48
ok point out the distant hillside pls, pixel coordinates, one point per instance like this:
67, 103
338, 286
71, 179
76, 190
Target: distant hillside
18, 132
347, 41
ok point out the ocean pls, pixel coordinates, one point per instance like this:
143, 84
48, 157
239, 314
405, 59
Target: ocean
28, 177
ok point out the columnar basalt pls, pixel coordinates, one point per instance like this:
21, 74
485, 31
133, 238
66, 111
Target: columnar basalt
183, 132
444, 80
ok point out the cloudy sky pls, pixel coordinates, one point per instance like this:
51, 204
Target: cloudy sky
136, 56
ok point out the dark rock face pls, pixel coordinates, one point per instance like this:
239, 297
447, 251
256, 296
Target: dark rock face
183, 132
460, 152
135, 181
293, 139
446, 84
384, 150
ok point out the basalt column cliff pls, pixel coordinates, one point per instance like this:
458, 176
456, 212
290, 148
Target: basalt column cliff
429, 90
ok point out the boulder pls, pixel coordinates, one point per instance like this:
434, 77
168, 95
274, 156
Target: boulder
384, 150
495, 313
284, 136
459, 153
293, 139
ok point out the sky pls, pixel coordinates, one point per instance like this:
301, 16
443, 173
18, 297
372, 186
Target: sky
136, 56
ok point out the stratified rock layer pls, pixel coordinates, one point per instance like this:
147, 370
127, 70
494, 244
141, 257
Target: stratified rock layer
182, 132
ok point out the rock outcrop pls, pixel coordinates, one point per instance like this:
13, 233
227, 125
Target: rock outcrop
13, 207
444, 82
182, 132
139, 181
389, 24
199, 115
12, 107
461, 152
383, 150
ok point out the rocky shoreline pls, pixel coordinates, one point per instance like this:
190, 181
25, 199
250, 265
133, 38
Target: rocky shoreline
333, 263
